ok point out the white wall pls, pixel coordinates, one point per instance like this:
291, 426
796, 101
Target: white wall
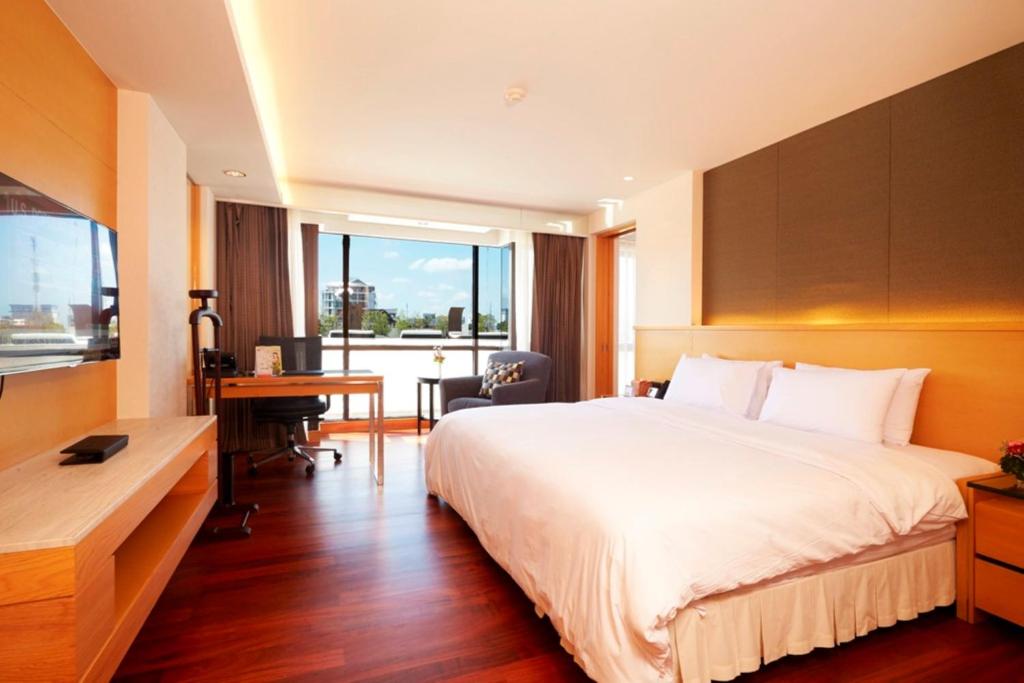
668, 243
152, 214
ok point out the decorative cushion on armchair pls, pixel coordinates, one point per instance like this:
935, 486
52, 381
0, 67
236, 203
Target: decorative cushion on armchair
500, 373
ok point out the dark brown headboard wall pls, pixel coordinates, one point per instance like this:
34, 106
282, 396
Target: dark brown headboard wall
910, 209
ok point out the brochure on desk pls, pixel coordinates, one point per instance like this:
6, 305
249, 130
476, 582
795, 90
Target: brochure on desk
268, 361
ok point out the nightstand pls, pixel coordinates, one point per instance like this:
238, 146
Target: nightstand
996, 508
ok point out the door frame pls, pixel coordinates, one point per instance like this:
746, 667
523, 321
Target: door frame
604, 313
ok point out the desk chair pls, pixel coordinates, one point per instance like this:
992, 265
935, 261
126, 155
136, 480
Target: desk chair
298, 354
455, 321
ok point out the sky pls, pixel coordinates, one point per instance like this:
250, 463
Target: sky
417, 277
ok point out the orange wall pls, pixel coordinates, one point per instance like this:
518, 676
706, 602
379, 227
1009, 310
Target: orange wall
58, 113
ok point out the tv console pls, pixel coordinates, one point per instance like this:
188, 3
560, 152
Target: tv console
86, 551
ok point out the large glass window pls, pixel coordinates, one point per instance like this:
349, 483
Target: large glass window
494, 305
403, 298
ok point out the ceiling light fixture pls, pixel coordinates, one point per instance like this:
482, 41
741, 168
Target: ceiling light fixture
234, 173
514, 95
628, 178
417, 223
561, 226
610, 206
245, 25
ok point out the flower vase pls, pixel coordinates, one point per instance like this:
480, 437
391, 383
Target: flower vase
439, 366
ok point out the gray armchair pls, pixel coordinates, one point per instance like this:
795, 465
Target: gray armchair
458, 393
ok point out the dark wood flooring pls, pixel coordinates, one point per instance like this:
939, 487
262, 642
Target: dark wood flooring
340, 582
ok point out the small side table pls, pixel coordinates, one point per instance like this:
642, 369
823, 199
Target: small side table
431, 382
996, 509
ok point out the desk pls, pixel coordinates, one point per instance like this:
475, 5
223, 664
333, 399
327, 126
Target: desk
344, 382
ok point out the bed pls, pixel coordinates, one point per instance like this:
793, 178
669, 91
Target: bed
668, 542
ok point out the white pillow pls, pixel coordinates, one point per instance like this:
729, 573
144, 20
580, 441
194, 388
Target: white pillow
847, 404
712, 383
764, 378
899, 421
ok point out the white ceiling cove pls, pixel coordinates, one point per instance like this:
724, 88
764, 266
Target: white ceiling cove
408, 96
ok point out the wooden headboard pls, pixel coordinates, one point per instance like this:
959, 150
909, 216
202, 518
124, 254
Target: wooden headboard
972, 400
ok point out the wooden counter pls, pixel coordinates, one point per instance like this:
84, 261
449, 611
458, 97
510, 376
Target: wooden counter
85, 551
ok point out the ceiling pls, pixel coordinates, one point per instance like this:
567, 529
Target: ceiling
408, 96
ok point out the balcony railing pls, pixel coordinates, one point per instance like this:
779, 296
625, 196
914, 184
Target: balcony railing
401, 361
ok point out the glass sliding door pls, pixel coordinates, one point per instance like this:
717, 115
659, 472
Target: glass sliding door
400, 299
625, 311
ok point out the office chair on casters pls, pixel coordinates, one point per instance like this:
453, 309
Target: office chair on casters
298, 354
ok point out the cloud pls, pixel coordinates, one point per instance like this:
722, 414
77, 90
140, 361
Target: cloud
444, 286
427, 294
391, 254
385, 297
440, 265
401, 280
460, 296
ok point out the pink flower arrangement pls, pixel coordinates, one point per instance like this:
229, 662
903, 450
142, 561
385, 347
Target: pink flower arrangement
1012, 461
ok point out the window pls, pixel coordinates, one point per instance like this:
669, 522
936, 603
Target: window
402, 298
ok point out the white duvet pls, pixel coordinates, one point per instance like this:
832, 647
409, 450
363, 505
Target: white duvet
614, 514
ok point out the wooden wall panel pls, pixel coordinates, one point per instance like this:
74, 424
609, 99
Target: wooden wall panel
43, 63
59, 117
740, 233
958, 191
969, 403
833, 246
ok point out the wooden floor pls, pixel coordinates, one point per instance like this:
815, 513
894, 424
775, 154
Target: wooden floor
340, 582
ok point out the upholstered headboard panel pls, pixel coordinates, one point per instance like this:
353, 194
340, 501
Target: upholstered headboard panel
906, 210
972, 401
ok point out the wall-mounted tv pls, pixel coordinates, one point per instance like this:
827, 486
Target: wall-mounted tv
58, 283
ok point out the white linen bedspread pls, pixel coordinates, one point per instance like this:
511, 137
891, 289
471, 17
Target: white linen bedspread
613, 514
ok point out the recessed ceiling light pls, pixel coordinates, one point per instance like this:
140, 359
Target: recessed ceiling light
628, 178
234, 173
515, 95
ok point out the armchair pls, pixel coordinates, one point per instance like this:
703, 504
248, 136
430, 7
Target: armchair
458, 393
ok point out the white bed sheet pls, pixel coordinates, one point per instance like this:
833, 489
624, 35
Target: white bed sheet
951, 463
614, 514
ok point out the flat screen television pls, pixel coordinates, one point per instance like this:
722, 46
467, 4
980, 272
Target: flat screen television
58, 283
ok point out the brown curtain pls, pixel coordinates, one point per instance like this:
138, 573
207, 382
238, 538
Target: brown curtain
252, 278
310, 275
558, 310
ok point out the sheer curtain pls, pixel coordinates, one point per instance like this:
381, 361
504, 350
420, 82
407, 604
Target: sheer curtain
523, 242
296, 273
625, 311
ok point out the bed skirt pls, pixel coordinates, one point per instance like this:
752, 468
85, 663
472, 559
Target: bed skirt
721, 637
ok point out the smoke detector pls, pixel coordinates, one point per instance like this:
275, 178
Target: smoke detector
514, 95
